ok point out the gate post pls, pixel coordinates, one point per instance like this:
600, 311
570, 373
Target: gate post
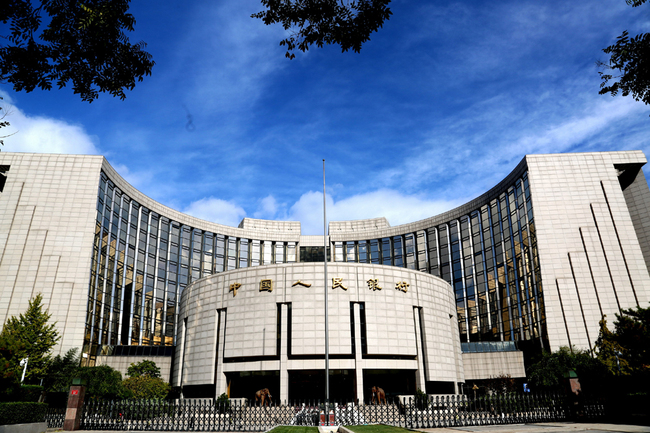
75, 405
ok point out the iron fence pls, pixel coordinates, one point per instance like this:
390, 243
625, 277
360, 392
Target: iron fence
438, 411
55, 417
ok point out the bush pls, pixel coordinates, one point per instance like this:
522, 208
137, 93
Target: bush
147, 387
22, 413
103, 382
30, 393
223, 403
421, 400
24, 393
143, 368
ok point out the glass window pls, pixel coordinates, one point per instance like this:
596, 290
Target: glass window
350, 252
279, 252
256, 253
267, 252
363, 252
291, 252
243, 253
386, 250
338, 252
374, 251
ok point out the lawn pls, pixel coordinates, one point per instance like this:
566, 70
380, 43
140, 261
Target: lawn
355, 428
294, 429
377, 428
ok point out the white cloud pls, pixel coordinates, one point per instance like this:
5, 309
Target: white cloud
267, 208
141, 180
481, 145
216, 210
235, 57
43, 134
396, 207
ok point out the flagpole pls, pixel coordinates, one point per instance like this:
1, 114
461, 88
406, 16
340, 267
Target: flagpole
327, 346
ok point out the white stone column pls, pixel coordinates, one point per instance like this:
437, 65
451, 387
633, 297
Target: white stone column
221, 384
358, 356
420, 377
284, 373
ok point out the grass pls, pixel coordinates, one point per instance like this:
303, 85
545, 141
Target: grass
294, 429
377, 428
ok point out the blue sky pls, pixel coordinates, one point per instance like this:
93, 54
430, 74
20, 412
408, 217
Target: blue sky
439, 106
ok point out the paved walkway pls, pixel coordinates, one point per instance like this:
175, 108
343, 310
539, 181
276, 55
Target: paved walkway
551, 427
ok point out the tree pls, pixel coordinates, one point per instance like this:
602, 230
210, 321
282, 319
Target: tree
501, 384
609, 351
550, 372
103, 382
83, 43
630, 56
143, 368
61, 371
630, 340
346, 23
8, 381
30, 336
145, 381
147, 387
4, 112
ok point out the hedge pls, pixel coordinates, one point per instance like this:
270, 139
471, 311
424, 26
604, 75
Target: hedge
22, 412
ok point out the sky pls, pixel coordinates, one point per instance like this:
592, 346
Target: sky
439, 106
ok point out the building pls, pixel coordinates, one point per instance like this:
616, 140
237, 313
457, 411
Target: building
533, 263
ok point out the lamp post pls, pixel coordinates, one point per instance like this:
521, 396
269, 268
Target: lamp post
325, 245
23, 363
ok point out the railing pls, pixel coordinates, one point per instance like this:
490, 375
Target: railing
55, 417
447, 411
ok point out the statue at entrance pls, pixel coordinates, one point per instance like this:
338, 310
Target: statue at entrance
263, 396
379, 394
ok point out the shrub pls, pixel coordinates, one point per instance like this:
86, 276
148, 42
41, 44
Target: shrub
223, 403
103, 382
22, 412
143, 368
421, 400
147, 387
24, 393
30, 393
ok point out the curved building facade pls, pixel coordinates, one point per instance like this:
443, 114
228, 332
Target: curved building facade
533, 263
264, 327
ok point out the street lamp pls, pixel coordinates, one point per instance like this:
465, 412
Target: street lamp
23, 363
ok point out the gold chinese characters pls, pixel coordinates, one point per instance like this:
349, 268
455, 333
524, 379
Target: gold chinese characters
266, 285
373, 284
233, 289
338, 282
403, 286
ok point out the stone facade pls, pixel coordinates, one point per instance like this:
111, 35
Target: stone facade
537, 260
403, 320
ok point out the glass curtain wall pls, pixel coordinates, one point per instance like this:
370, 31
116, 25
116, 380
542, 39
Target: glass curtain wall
488, 256
141, 263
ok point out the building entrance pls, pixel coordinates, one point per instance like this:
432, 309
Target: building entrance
393, 382
310, 385
247, 383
